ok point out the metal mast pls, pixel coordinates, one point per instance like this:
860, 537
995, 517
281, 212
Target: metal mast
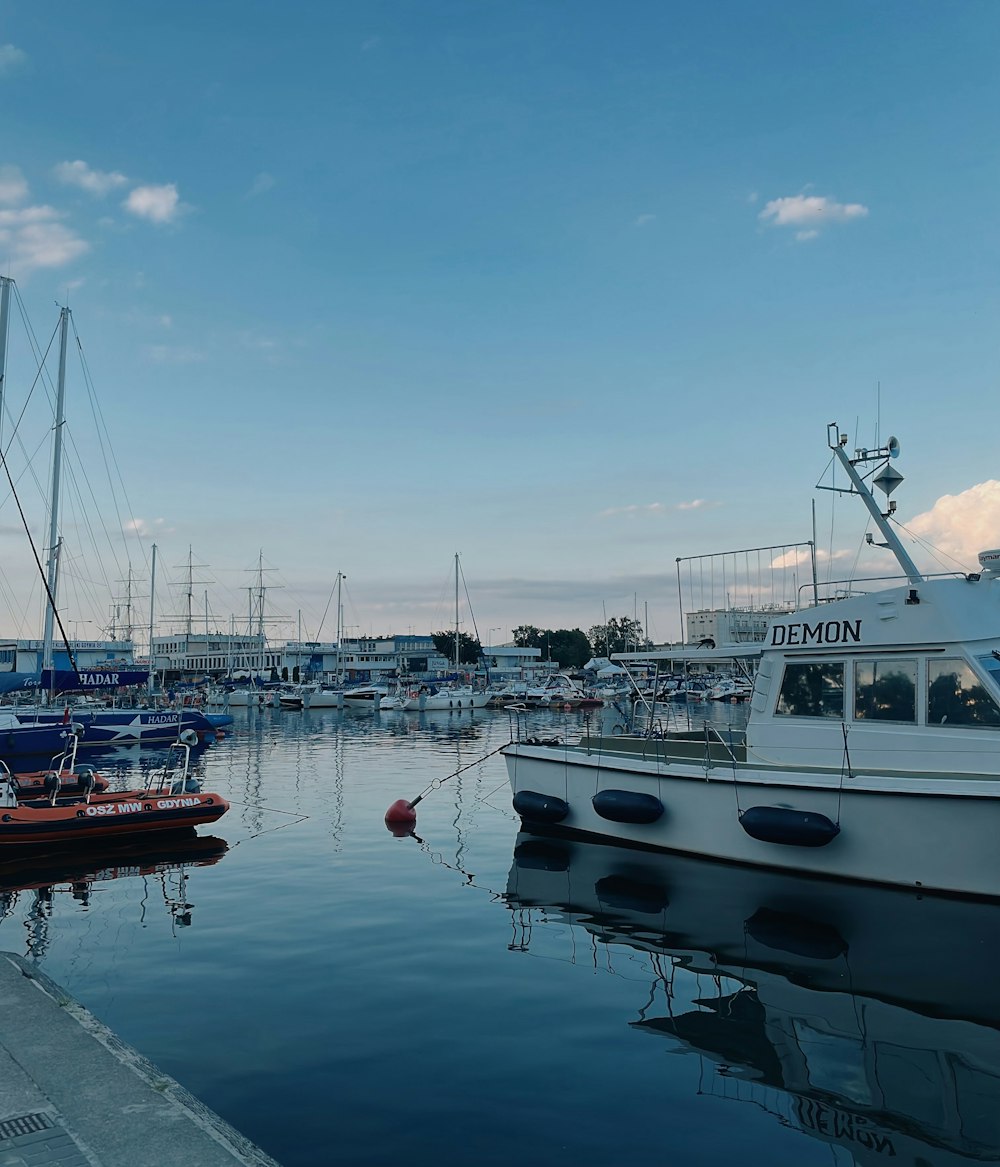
5, 284
887, 480
52, 569
152, 611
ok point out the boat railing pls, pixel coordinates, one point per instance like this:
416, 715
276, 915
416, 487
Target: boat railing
66, 758
848, 587
8, 791
174, 777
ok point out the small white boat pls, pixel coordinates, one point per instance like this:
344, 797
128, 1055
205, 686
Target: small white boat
239, 696
326, 697
872, 749
366, 696
426, 699
730, 689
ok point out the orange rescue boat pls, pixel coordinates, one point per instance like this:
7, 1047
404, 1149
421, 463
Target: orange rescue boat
172, 801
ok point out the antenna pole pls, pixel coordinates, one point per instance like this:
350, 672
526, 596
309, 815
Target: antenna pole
888, 534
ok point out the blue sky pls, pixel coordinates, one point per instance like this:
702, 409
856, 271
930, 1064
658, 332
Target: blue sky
569, 288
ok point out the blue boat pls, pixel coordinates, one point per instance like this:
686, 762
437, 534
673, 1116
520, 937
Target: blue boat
102, 727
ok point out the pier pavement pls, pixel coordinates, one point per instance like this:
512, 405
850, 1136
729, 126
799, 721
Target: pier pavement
73, 1094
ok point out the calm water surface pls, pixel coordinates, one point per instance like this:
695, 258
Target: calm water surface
475, 995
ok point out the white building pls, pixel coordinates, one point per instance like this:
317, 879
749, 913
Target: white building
731, 625
25, 656
216, 654
357, 660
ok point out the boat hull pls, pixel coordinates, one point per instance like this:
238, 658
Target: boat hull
31, 741
111, 727
905, 831
105, 816
445, 701
325, 699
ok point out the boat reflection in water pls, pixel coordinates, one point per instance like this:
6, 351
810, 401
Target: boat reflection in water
865, 1017
74, 873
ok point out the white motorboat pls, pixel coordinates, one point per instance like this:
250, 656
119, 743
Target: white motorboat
365, 696
731, 689
294, 696
872, 749
247, 696
428, 699
555, 692
325, 697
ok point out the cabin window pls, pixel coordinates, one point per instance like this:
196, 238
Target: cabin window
812, 690
990, 665
885, 690
956, 696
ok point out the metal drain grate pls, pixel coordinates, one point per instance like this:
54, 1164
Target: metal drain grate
27, 1124
36, 1140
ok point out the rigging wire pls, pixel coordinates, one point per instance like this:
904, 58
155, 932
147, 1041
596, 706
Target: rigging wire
38, 563
101, 427
929, 547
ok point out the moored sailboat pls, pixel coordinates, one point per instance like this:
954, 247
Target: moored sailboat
428, 697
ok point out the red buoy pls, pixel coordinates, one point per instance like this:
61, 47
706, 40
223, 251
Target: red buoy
401, 818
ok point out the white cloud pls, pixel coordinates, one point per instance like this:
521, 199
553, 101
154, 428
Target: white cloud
645, 220
164, 354
11, 59
796, 557
370, 43
158, 204
33, 237
697, 504
649, 508
962, 525
13, 185
254, 342
96, 182
657, 508
145, 527
262, 183
808, 213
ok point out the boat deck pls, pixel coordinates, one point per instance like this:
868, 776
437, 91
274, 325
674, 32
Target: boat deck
683, 746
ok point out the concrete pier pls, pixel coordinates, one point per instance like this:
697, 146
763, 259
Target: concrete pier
74, 1094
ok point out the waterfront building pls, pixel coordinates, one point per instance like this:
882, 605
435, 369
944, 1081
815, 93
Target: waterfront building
25, 656
731, 625
213, 654
356, 660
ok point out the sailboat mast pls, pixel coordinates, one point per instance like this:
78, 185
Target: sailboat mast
340, 616
53, 561
5, 284
456, 611
190, 592
152, 612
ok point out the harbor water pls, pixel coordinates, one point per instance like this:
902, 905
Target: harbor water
473, 994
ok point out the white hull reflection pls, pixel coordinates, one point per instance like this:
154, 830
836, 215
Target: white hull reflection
864, 1017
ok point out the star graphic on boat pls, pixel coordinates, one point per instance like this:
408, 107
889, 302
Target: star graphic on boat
132, 730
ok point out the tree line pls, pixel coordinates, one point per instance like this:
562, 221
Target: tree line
569, 647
